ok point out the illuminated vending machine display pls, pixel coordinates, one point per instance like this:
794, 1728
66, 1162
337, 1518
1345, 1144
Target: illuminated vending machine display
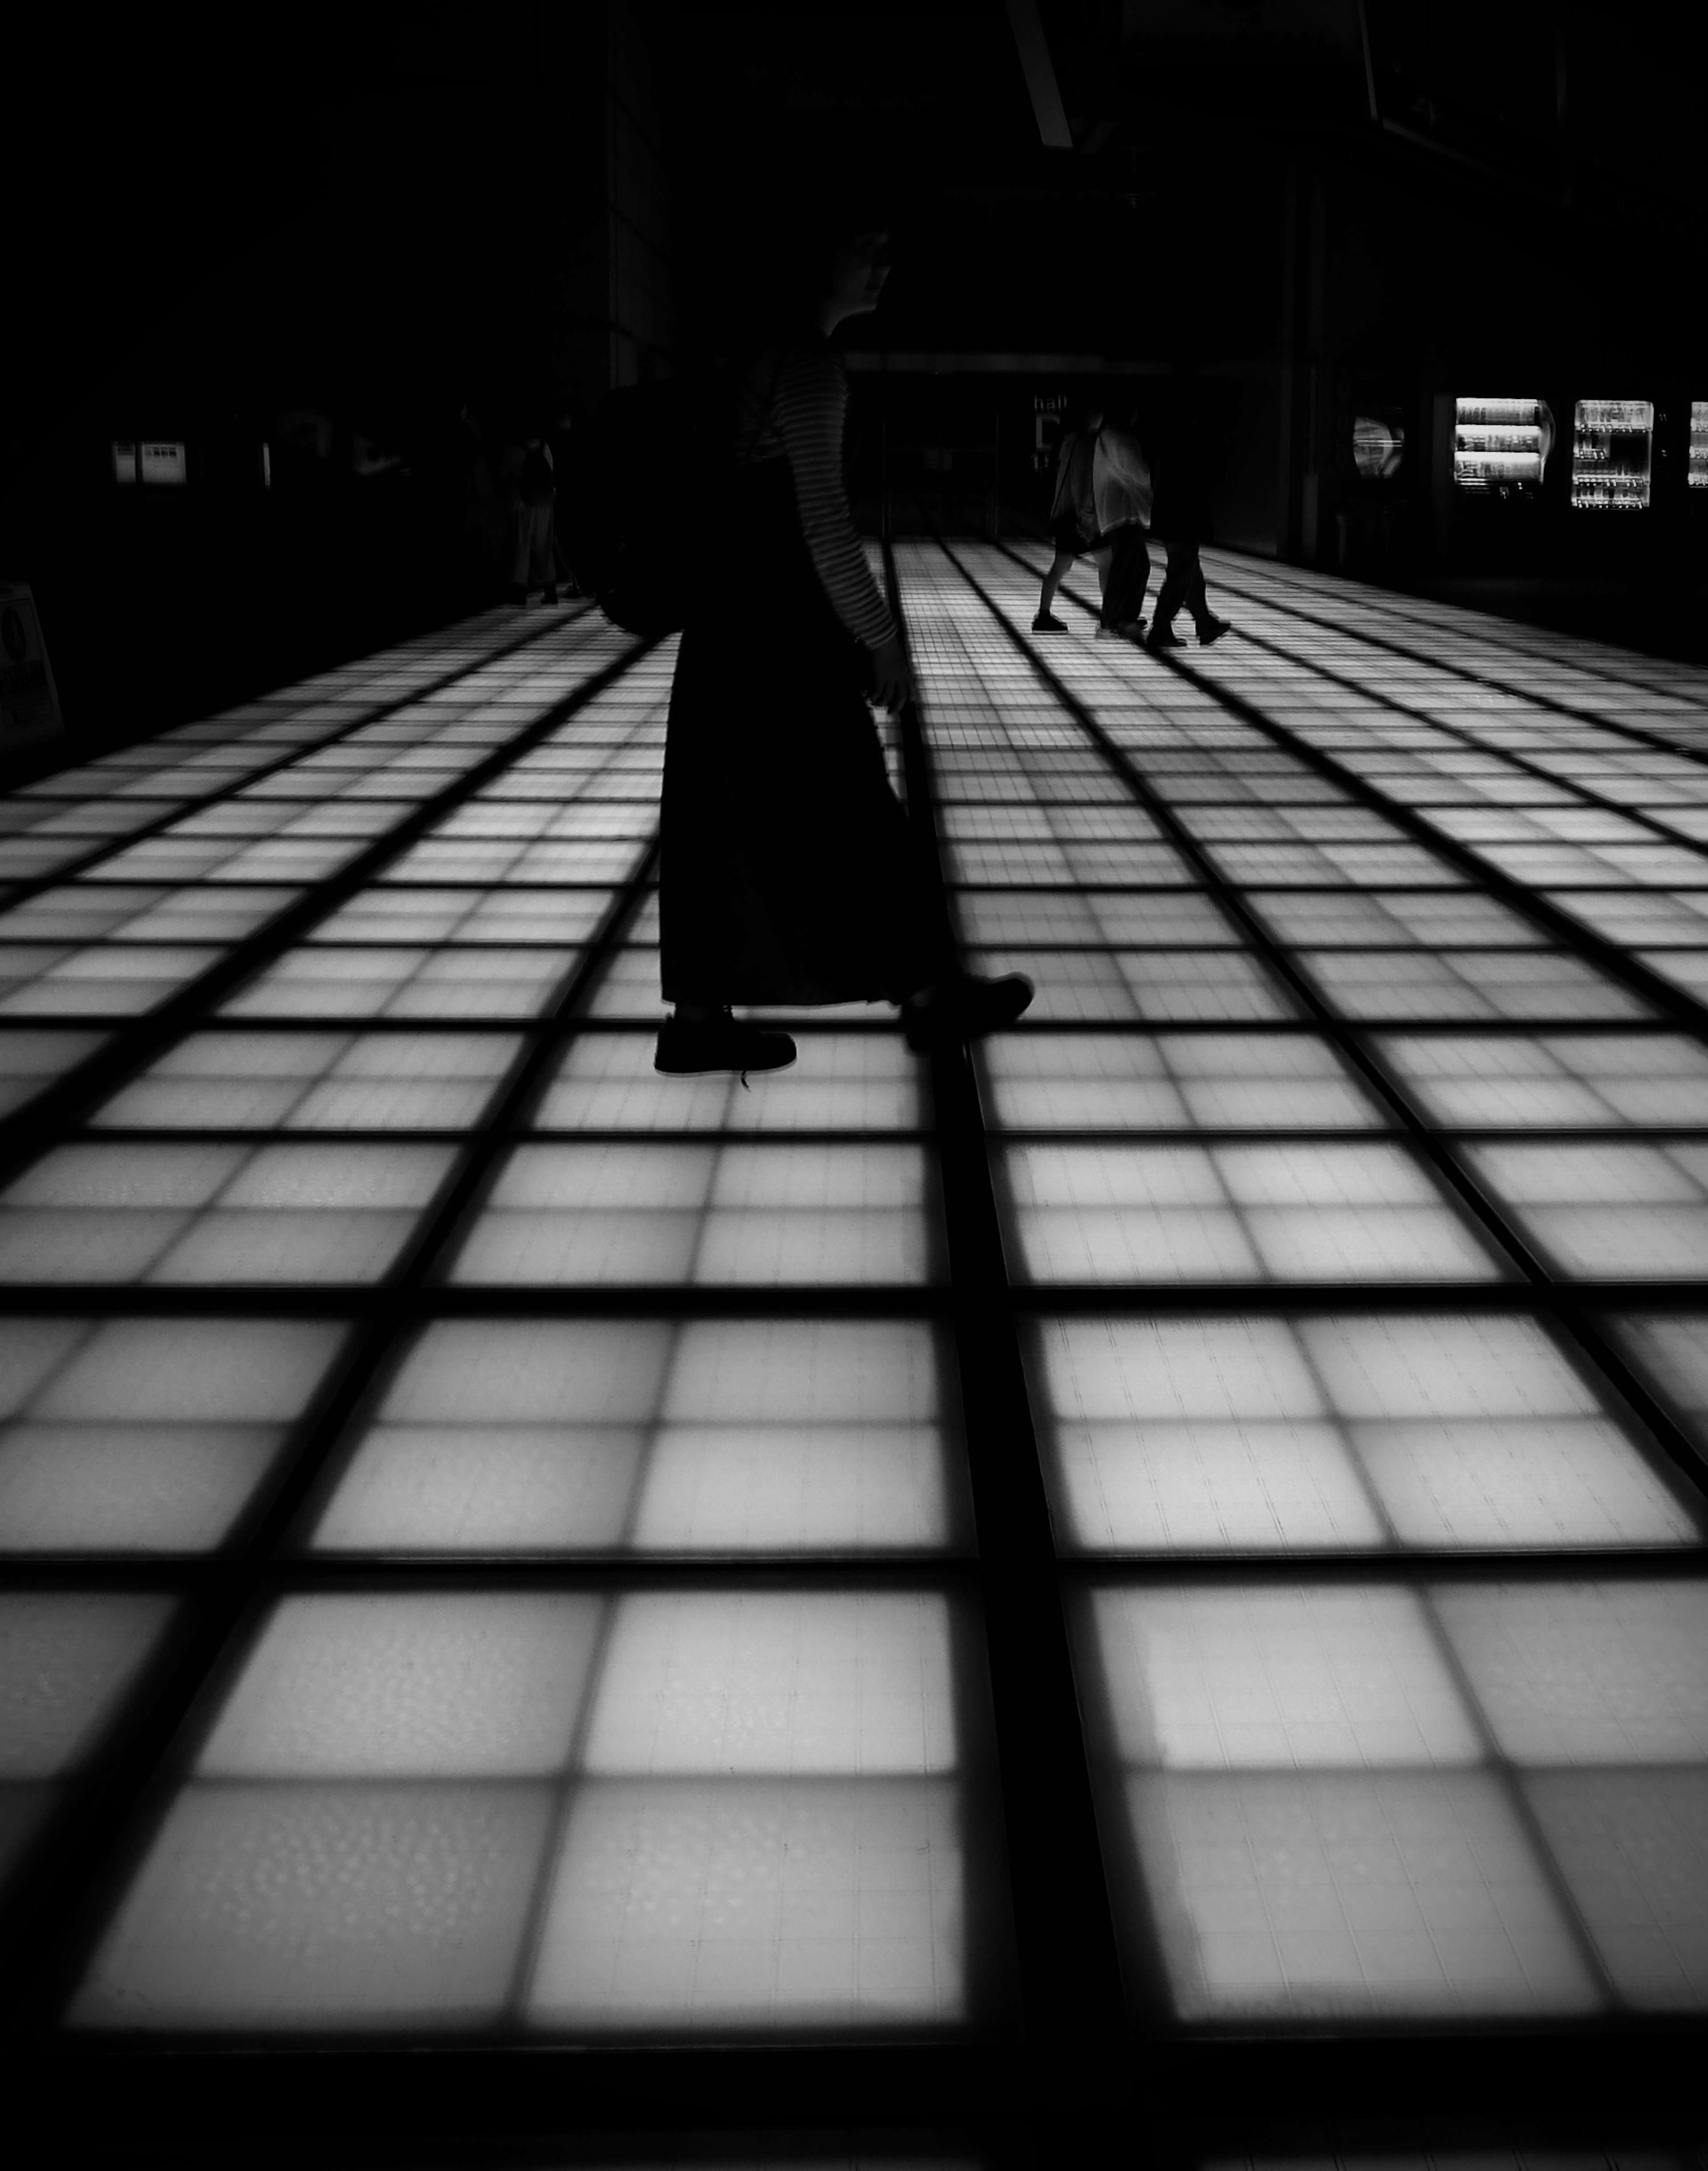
1501, 447
1612, 446
1698, 475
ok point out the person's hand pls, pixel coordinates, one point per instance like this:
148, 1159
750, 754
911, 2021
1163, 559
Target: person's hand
893, 683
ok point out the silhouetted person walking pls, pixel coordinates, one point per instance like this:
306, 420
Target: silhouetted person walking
1121, 490
534, 565
1181, 519
1073, 518
787, 871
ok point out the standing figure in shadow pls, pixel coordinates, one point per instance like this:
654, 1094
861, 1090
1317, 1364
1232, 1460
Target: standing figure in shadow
788, 874
1181, 519
1072, 517
1121, 492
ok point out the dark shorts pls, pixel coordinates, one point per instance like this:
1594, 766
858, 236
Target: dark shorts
1066, 536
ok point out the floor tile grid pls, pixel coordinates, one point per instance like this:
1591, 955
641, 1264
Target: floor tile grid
318, 713
603, 658
1569, 659
1569, 929
1513, 747
1593, 1971
324, 1022
1609, 1176
1566, 855
1667, 715
229, 838
1650, 897
1687, 1115
1568, 654
327, 1352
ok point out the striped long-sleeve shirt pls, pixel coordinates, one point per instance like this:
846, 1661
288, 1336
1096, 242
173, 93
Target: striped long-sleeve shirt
790, 403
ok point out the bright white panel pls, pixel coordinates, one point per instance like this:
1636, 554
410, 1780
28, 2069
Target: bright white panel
1349, 1895
818, 1214
1608, 1210
1347, 1212
1475, 1431
756, 1904
1298, 1212
323, 1906
1122, 1213
754, 1435
776, 1684
152, 1437
444, 1686
1607, 1080
592, 1213
751, 1488
795, 1434
102, 1214
310, 1214
484, 1489
1233, 1680
1195, 1434
841, 1081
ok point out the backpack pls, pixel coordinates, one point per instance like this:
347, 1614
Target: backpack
646, 476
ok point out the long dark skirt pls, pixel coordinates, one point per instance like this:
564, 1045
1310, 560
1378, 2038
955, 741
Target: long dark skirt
786, 872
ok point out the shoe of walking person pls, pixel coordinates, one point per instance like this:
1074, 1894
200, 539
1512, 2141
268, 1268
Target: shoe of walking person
1163, 636
1047, 622
687, 1046
1213, 629
964, 1008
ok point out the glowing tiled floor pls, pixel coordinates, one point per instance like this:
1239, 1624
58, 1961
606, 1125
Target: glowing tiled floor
563, 1468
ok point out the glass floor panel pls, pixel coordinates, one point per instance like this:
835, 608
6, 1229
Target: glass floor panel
502, 1549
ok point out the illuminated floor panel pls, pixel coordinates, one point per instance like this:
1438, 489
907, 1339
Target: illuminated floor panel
579, 1482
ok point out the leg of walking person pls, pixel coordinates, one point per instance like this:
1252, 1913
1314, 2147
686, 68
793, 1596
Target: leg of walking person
1129, 574
1210, 627
542, 571
1176, 589
1047, 621
522, 538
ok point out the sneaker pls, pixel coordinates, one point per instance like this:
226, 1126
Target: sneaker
1213, 629
550, 597
966, 1008
1047, 622
687, 1048
1163, 636
1129, 630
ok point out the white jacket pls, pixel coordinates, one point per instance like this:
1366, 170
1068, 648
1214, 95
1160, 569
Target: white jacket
1120, 484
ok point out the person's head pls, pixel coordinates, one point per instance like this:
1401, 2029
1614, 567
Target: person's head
853, 269
825, 258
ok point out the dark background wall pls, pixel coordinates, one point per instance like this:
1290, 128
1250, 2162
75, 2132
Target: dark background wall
338, 233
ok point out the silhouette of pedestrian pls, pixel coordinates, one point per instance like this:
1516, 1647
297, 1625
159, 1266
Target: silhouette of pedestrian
1181, 519
786, 869
1073, 518
1121, 488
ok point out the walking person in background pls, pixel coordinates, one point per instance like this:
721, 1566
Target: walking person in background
787, 870
1073, 518
1181, 519
1120, 490
535, 489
